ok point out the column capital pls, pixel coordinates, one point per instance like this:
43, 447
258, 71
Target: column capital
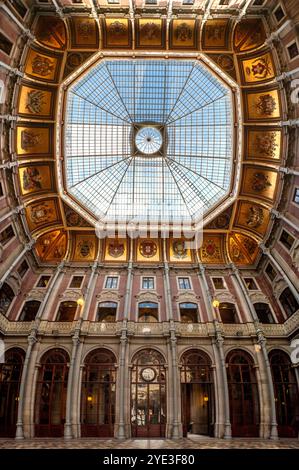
32, 337
94, 266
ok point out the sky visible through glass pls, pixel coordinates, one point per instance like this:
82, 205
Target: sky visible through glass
104, 169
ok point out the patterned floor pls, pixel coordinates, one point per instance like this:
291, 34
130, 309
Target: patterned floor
192, 442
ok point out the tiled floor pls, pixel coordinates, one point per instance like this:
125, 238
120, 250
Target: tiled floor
192, 442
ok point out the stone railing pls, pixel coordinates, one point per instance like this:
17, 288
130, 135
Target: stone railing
149, 329
282, 329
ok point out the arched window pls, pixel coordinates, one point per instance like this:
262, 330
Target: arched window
98, 394
29, 310
6, 297
51, 394
285, 394
228, 313
148, 312
197, 393
243, 394
67, 311
288, 302
263, 312
107, 312
189, 312
148, 394
10, 381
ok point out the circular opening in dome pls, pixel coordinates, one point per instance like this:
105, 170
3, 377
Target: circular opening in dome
148, 140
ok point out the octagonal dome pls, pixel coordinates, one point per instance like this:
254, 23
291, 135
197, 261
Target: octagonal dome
148, 140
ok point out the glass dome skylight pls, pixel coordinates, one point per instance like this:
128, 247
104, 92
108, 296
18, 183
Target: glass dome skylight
148, 140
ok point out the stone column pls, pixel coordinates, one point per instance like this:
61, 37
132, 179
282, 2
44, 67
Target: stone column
267, 252
177, 430
76, 386
31, 342
121, 431
68, 434
205, 290
242, 292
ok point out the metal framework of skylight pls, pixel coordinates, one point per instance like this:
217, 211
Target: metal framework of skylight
113, 180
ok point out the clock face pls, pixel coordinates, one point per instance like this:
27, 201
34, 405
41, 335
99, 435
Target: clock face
148, 374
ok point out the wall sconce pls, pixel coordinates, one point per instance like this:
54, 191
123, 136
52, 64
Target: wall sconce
205, 398
89, 398
216, 303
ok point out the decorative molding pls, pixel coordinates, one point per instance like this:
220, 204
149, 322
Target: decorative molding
108, 296
148, 297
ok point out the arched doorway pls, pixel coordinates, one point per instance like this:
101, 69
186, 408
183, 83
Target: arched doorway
197, 393
10, 381
243, 394
98, 394
148, 394
51, 394
285, 394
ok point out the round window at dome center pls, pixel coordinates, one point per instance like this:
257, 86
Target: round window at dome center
148, 140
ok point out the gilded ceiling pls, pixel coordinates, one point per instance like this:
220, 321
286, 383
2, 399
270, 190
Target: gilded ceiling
61, 48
